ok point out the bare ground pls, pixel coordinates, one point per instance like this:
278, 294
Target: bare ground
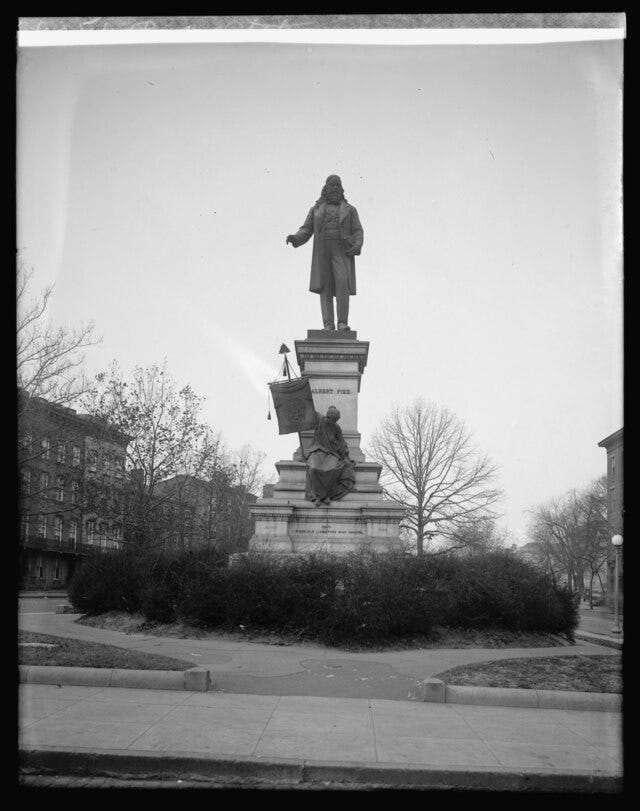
441, 637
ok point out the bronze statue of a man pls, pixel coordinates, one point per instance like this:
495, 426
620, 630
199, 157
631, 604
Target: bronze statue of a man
337, 239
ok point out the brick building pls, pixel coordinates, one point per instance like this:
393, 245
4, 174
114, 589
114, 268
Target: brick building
613, 444
199, 513
72, 475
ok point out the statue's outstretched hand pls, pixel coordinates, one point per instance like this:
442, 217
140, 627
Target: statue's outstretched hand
291, 239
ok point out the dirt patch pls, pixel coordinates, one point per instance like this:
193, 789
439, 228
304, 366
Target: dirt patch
440, 638
590, 674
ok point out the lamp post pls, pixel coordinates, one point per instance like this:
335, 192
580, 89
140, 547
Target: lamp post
617, 544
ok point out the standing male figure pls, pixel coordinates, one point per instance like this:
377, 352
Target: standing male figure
337, 239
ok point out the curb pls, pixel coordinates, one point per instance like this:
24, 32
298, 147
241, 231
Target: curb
194, 679
198, 679
39, 595
435, 690
282, 772
598, 639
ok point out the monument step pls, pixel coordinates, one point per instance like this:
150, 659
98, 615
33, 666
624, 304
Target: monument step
297, 494
332, 334
350, 503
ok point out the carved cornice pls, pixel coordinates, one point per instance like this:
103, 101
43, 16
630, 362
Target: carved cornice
334, 349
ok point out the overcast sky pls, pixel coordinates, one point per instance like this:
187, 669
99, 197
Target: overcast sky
157, 184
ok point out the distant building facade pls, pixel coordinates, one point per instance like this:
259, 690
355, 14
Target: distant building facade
532, 552
198, 513
71, 479
613, 444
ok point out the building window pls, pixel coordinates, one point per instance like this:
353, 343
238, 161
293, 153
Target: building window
75, 490
45, 445
58, 527
103, 533
57, 574
91, 531
93, 460
41, 527
116, 532
25, 477
60, 489
40, 569
75, 455
27, 442
62, 452
24, 525
73, 532
44, 482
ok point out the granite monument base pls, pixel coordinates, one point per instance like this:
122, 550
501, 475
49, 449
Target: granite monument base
287, 523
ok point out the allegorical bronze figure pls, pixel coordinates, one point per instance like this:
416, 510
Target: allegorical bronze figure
337, 239
330, 471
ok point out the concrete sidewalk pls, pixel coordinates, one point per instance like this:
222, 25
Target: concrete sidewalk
599, 622
239, 666
294, 739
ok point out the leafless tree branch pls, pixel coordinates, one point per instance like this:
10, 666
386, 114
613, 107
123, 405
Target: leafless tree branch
431, 469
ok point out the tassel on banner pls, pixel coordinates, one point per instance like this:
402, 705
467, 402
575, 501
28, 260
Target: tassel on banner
268, 406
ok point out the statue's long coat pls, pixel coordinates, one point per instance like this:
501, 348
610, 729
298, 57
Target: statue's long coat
351, 233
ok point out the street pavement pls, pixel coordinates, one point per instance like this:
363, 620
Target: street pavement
311, 704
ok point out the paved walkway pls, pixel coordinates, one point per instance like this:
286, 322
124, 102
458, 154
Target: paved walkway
330, 730
250, 667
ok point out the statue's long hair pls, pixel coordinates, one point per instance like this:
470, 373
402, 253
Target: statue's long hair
323, 193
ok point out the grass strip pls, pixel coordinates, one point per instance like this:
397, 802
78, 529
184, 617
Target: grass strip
76, 653
589, 674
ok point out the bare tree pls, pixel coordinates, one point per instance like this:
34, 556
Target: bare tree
572, 534
247, 481
477, 535
49, 358
431, 468
168, 441
597, 531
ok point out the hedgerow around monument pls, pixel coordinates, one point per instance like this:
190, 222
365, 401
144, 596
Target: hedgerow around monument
361, 598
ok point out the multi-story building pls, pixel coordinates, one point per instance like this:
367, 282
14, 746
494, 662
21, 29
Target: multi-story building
72, 469
613, 444
197, 513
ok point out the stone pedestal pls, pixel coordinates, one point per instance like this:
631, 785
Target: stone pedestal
334, 362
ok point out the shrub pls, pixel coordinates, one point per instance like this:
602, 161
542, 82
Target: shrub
498, 589
108, 581
359, 598
133, 579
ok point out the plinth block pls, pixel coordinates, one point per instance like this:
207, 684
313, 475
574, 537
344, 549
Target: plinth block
339, 527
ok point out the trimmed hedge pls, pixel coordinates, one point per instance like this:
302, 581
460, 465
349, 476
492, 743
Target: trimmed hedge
363, 597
